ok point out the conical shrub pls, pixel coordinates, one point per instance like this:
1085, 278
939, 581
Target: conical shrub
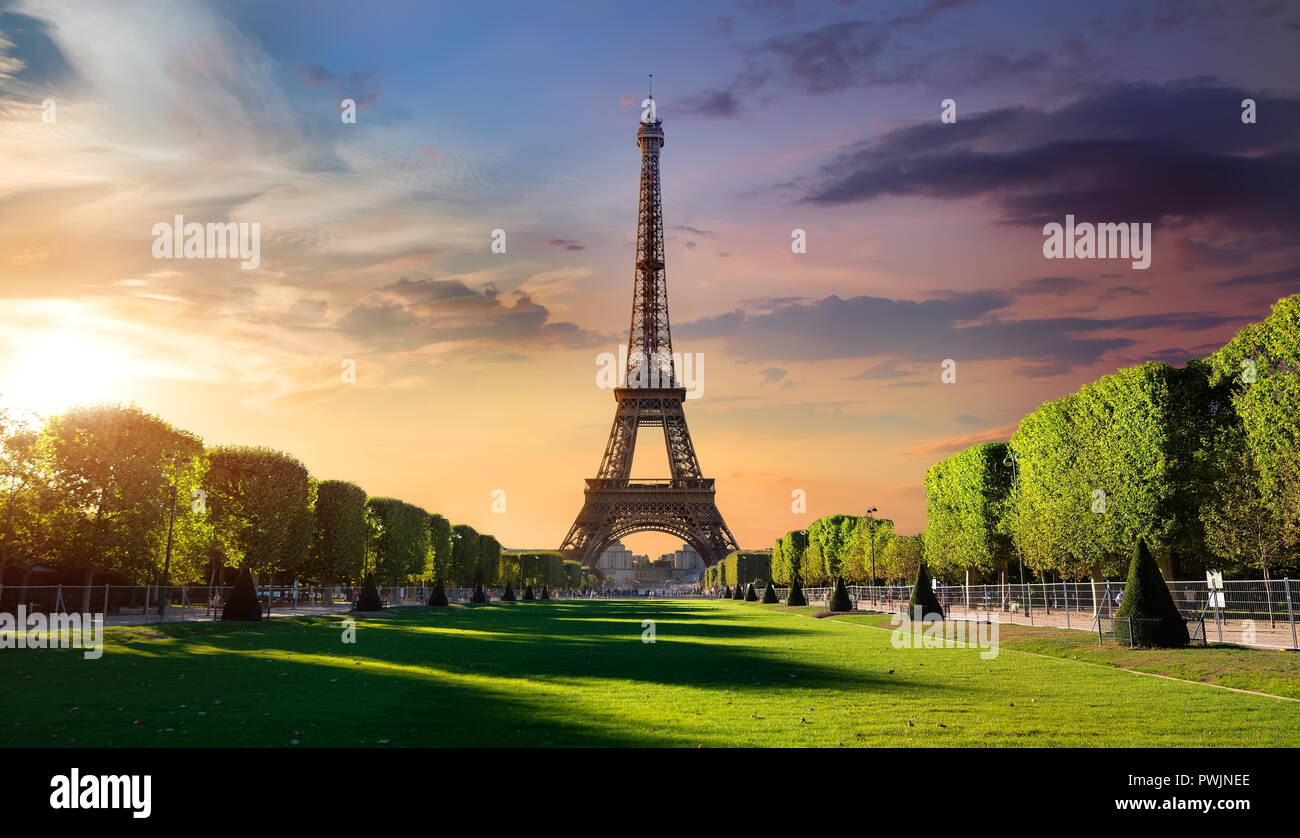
546, 593
769, 594
478, 595
750, 594
369, 599
796, 596
509, 594
528, 594
738, 593
840, 598
1147, 615
923, 596
243, 604
438, 596
726, 593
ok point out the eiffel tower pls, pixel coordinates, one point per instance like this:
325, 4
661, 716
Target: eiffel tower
651, 397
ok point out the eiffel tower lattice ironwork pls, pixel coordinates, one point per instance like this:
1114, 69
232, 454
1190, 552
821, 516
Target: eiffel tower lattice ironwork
651, 397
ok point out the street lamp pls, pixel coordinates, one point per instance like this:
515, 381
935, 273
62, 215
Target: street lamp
871, 527
177, 462
1012, 461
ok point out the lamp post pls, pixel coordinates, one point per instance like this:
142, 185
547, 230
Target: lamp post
1012, 461
177, 461
871, 528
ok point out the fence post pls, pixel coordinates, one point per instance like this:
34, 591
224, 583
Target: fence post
1290, 611
59, 604
106, 601
1029, 602
1065, 588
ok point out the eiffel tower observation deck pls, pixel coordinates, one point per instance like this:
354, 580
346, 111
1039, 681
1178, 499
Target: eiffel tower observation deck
651, 397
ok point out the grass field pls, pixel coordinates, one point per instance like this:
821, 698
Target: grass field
721, 673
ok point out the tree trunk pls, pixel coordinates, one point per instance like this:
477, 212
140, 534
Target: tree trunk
1165, 561
85, 591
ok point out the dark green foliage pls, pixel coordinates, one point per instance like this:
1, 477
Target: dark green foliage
243, 604
546, 592
440, 547
1146, 609
438, 597
840, 599
738, 593
478, 596
369, 599
750, 595
338, 546
796, 596
726, 593
769, 593
399, 538
509, 595
528, 594
260, 500
489, 559
923, 596
743, 567
464, 555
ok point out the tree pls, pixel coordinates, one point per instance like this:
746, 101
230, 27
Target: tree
789, 567
923, 602
828, 544
528, 594
796, 596
438, 596
259, 500
1242, 527
20, 491
339, 533
464, 555
508, 595
546, 592
1147, 614
243, 604
399, 539
965, 496
478, 595
769, 594
110, 471
738, 593
489, 558
750, 594
901, 558
869, 537
440, 548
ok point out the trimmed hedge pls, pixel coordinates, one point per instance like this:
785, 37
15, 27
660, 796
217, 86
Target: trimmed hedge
1147, 610
369, 599
750, 595
796, 596
509, 594
546, 592
243, 604
738, 593
438, 597
769, 594
478, 596
528, 594
923, 596
840, 599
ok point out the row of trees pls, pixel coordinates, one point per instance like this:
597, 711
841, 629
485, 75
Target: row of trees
91, 493
846, 547
1202, 462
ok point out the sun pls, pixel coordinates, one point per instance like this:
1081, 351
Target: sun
58, 369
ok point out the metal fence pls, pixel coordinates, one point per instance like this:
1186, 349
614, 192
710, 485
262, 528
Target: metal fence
140, 604
1252, 612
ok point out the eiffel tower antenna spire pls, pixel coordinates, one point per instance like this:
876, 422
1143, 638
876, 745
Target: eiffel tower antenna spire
651, 396
652, 85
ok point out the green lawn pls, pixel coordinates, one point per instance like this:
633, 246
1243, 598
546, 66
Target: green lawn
721, 673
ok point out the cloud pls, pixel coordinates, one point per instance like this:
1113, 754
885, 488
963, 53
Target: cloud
1059, 285
965, 326
1130, 152
952, 445
567, 244
771, 375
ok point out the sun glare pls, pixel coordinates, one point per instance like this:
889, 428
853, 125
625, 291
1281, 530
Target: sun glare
57, 370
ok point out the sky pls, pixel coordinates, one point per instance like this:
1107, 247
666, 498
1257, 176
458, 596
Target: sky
476, 371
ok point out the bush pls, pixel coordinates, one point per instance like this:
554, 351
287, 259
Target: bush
546, 593
738, 593
369, 599
769, 594
840, 599
243, 604
923, 596
438, 596
726, 593
1147, 615
509, 594
796, 596
528, 594
750, 595
478, 593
